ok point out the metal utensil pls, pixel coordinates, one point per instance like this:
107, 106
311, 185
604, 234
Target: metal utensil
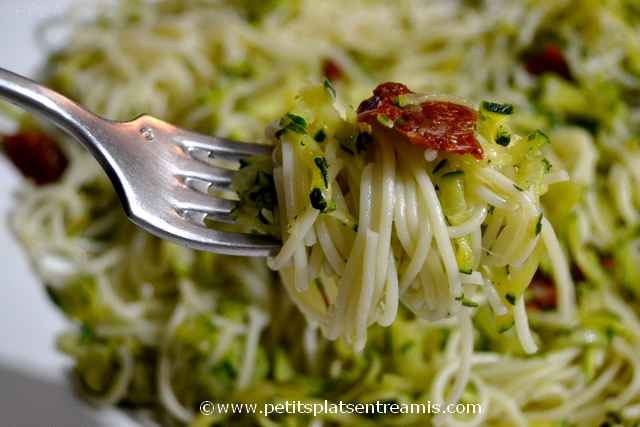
160, 172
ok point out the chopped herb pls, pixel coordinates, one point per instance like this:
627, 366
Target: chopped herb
453, 174
322, 164
517, 187
384, 120
399, 121
86, 334
299, 120
294, 123
441, 164
511, 298
363, 140
503, 138
320, 136
469, 303
225, 370
538, 133
317, 200
539, 224
263, 193
497, 108
547, 165
328, 86
610, 332
262, 218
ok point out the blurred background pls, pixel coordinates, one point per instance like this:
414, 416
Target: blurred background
33, 383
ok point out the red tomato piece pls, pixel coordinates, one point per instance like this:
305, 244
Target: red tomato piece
542, 294
608, 262
436, 125
36, 156
332, 70
549, 59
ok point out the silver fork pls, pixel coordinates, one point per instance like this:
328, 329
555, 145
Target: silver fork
160, 172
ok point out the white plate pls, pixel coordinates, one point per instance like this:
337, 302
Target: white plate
33, 382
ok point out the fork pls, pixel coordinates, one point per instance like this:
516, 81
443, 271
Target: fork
161, 173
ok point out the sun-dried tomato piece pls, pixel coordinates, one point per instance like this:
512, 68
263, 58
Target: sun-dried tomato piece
331, 70
436, 125
36, 156
549, 59
608, 262
541, 293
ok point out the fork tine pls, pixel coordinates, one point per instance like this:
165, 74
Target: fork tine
190, 168
228, 243
202, 238
200, 218
195, 201
221, 147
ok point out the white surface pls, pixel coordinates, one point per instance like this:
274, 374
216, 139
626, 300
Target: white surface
27, 321
33, 383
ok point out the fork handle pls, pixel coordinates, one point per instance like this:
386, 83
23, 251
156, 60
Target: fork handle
85, 126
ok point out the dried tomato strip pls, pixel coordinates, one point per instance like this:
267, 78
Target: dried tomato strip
437, 125
332, 70
549, 59
541, 294
36, 155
